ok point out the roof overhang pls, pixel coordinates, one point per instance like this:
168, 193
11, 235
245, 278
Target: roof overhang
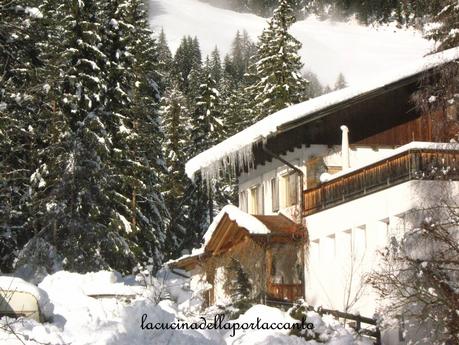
233, 226
238, 150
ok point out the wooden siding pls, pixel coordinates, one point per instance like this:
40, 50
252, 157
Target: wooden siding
429, 127
410, 165
285, 292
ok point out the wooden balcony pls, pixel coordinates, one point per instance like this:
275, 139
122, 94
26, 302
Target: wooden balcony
413, 164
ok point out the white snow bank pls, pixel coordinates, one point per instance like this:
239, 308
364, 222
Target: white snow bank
238, 148
9, 284
263, 336
82, 320
243, 220
95, 283
328, 330
187, 293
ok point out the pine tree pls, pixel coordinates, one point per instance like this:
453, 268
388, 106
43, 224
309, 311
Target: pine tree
340, 82
447, 33
186, 59
79, 208
125, 169
101, 207
207, 130
149, 213
237, 283
194, 80
21, 103
315, 88
208, 127
176, 127
237, 112
234, 64
165, 60
215, 66
276, 69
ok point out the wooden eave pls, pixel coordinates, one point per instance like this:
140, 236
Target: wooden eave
189, 262
365, 115
228, 234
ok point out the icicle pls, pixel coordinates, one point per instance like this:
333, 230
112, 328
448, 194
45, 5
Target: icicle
228, 163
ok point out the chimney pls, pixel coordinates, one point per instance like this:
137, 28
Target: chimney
345, 148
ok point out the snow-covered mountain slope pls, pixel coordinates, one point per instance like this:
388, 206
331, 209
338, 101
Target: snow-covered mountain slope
328, 47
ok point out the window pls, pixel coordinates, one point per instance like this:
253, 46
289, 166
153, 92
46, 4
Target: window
255, 204
275, 194
290, 190
243, 202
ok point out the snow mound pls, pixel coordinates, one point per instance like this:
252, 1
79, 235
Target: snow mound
187, 293
262, 336
8, 283
81, 320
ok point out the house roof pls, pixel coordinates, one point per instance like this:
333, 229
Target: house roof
231, 226
238, 148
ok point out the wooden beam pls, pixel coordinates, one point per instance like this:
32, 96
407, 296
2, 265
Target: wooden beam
229, 224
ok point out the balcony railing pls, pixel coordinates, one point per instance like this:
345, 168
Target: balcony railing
285, 292
414, 164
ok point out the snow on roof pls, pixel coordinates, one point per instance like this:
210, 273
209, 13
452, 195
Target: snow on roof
242, 219
238, 148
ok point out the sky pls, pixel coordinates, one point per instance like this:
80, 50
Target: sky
359, 52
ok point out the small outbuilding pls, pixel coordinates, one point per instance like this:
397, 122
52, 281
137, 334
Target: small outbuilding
267, 251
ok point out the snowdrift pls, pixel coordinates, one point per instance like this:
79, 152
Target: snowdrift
79, 319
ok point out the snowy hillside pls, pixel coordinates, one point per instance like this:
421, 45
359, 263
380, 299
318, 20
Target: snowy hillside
328, 48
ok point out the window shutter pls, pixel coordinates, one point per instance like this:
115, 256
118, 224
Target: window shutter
243, 201
292, 189
260, 203
275, 194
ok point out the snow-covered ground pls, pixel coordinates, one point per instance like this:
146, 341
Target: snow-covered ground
80, 319
328, 47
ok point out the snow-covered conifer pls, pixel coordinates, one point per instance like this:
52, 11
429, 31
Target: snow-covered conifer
277, 81
176, 128
340, 82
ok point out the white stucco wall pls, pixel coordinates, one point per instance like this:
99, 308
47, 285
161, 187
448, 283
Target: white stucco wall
345, 239
263, 174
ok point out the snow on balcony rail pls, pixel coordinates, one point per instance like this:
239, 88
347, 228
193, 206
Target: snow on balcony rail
238, 148
414, 145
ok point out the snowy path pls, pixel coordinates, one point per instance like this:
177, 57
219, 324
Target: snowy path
328, 48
